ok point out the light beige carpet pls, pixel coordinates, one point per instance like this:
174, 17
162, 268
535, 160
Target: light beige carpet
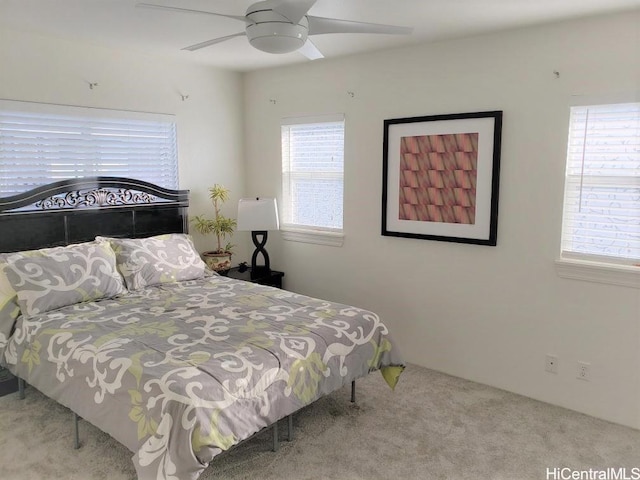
432, 427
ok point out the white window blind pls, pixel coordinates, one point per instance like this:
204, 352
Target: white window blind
313, 173
41, 143
601, 219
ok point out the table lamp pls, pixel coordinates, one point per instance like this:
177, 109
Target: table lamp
258, 215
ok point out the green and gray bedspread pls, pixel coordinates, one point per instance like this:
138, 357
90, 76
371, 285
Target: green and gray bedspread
180, 372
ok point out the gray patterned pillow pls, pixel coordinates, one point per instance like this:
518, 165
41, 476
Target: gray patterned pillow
52, 278
144, 262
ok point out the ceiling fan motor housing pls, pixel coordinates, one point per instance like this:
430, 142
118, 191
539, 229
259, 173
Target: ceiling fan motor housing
272, 33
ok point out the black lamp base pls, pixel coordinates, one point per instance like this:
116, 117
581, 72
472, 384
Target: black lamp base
260, 243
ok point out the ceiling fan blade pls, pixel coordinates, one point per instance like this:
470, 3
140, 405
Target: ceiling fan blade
293, 10
208, 43
319, 25
310, 51
188, 10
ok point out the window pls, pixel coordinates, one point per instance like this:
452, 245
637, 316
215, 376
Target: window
601, 220
41, 143
313, 179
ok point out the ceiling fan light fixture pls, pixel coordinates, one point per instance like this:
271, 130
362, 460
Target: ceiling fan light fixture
277, 37
282, 26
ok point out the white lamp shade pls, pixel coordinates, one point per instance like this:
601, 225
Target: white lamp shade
257, 214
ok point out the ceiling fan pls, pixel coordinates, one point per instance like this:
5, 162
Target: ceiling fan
282, 26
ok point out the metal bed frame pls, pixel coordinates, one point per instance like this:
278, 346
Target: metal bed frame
274, 426
77, 210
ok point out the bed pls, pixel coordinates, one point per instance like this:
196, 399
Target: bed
106, 308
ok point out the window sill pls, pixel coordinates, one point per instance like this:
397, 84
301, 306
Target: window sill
622, 275
318, 237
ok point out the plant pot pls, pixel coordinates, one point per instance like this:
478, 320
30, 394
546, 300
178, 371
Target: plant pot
218, 262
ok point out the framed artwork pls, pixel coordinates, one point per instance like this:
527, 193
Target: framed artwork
441, 177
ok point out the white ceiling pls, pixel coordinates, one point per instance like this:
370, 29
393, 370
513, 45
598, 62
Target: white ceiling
119, 24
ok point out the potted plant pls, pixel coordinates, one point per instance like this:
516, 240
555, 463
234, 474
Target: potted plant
221, 226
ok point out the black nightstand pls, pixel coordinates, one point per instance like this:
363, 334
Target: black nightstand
272, 278
8, 383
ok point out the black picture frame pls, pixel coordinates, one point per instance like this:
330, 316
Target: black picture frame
441, 177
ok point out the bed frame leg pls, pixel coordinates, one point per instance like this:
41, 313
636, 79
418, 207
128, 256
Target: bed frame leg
276, 443
76, 440
21, 388
290, 428
353, 391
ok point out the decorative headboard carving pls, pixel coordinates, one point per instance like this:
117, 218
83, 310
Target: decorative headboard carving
77, 210
101, 197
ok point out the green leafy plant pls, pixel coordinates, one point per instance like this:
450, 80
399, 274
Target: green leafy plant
220, 225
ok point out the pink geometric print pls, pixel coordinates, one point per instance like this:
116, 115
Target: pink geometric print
438, 175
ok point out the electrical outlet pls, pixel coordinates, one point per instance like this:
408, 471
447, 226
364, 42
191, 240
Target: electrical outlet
551, 363
584, 371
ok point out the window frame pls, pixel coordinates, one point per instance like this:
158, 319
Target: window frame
94, 154
621, 271
309, 233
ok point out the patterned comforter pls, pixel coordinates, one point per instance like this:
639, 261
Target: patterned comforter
180, 372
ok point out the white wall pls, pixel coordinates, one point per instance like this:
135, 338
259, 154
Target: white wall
209, 122
482, 313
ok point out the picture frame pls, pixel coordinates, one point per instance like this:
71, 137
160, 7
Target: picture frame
441, 177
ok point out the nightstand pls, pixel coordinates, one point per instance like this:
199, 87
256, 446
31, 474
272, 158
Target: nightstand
272, 278
8, 383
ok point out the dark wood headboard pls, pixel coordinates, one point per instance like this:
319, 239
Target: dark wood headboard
76, 210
